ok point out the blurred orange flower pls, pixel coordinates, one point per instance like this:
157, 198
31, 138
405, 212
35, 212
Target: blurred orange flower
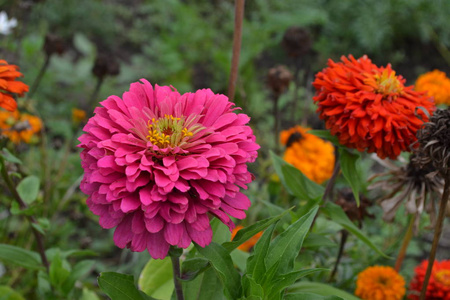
380, 283
436, 84
369, 107
19, 127
308, 153
439, 284
248, 244
8, 85
78, 115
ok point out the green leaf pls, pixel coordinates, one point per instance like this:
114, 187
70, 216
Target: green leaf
17, 211
58, 272
120, 287
314, 240
350, 171
221, 261
221, 232
88, 295
156, 278
246, 233
79, 270
285, 280
192, 267
206, 286
255, 263
251, 287
28, 189
337, 214
310, 296
21, 257
285, 247
320, 289
7, 293
8, 156
295, 181
239, 258
325, 134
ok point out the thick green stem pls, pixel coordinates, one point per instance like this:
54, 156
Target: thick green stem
237, 39
405, 244
437, 235
23, 205
175, 254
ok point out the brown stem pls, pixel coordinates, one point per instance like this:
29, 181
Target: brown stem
296, 86
276, 117
237, 39
405, 244
94, 94
437, 235
23, 206
344, 235
37, 81
176, 274
330, 184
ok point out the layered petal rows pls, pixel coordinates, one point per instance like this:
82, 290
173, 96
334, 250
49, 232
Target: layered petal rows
368, 107
158, 163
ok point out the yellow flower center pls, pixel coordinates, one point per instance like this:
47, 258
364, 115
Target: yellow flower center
167, 131
443, 277
387, 83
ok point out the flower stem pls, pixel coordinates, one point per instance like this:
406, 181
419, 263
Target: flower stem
175, 254
94, 94
237, 39
344, 235
437, 235
330, 184
37, 81
276, 120
405, 244
23, 206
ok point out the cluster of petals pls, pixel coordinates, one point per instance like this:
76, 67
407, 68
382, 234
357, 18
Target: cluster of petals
19, 127
9, 85
368, 107
313, 156
380, 283
158, 164
436, 84
439, 284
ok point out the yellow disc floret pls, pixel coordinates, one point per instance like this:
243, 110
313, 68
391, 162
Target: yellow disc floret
169, 131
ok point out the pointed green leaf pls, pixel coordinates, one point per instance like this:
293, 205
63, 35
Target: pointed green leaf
320, 289
246, 233
295, 181
255, 263
325, 134
79, 270
156, 278
252, 288
337, 214
28, 189
7, 293
221, 261
21, 257
207, 285
285, 247
350, 171
314, 240
120, 287
192, 267
8, 156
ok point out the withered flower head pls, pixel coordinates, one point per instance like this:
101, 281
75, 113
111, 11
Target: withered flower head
105, 65
347, 201
296, 41
278, 79
434, 142
54, 44
415, 186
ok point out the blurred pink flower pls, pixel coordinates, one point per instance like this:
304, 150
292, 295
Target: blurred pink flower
157, 162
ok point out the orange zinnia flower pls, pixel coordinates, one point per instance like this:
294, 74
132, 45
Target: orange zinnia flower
308, 153
380, 283
369, 108
8, 85
248, 244
19, 127
436, 84
439, 284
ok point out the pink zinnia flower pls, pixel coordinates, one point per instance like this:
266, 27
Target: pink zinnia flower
157, 162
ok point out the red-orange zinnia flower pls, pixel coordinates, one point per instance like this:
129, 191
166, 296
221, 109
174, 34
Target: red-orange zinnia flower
248, 244
439, 284
8, 85
369, 107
